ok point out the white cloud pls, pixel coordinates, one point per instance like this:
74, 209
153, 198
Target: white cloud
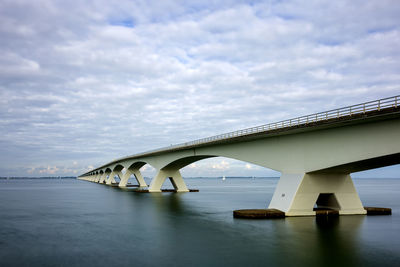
12, 64
49, 170
222, 165
325, 75
193, 166
112, 80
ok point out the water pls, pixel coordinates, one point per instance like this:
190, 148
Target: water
76, 223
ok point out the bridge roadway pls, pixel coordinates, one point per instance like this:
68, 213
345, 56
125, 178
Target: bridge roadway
315, 154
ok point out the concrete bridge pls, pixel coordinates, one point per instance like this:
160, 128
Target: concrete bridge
315, 154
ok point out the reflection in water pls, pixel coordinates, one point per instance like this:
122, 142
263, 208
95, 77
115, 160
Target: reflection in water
170, 202
327, 222
311, 241
338, 240
321, 241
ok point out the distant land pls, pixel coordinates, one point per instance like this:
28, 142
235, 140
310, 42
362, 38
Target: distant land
227, 177
49, 177
189, 177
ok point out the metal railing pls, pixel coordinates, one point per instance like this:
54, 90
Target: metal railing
376, 105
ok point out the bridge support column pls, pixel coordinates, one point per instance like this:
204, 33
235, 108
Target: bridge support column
111, 178
175, 178
103, 178
298, 194
138, 176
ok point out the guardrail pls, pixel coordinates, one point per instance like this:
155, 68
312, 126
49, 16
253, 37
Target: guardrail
376, 105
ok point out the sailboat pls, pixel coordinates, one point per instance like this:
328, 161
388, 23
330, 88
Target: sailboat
223, 178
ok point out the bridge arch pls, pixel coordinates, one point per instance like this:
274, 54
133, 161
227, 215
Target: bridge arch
185, 161
171, 169
106, 173
118, 168
99, 176
133, 169
137, 165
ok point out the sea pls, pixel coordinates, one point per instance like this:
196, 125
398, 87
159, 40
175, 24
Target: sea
69, 222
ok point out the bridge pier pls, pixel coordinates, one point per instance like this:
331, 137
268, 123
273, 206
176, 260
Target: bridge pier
138, 176
111, 178
175, 178
103, 178
299, 193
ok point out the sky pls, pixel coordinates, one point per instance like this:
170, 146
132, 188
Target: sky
85, 82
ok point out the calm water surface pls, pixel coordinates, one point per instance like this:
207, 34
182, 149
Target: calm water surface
76, 223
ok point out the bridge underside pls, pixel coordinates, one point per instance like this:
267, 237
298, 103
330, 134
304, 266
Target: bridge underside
363, 165
297, 194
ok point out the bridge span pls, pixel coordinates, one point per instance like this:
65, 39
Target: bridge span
315, 154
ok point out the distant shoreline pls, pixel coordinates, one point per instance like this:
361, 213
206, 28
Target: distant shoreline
189, 177
21, 178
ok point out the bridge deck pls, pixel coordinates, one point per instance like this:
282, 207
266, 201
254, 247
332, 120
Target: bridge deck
387, 108
374, 110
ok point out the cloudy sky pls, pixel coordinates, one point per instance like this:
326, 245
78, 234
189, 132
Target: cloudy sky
84, 82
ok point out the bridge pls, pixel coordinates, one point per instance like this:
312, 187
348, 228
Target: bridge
315, 155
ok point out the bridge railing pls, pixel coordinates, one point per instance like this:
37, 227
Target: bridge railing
376, 105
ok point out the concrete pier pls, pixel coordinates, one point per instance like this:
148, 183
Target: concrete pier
319, 212
259, 214
164, 191
378, 211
